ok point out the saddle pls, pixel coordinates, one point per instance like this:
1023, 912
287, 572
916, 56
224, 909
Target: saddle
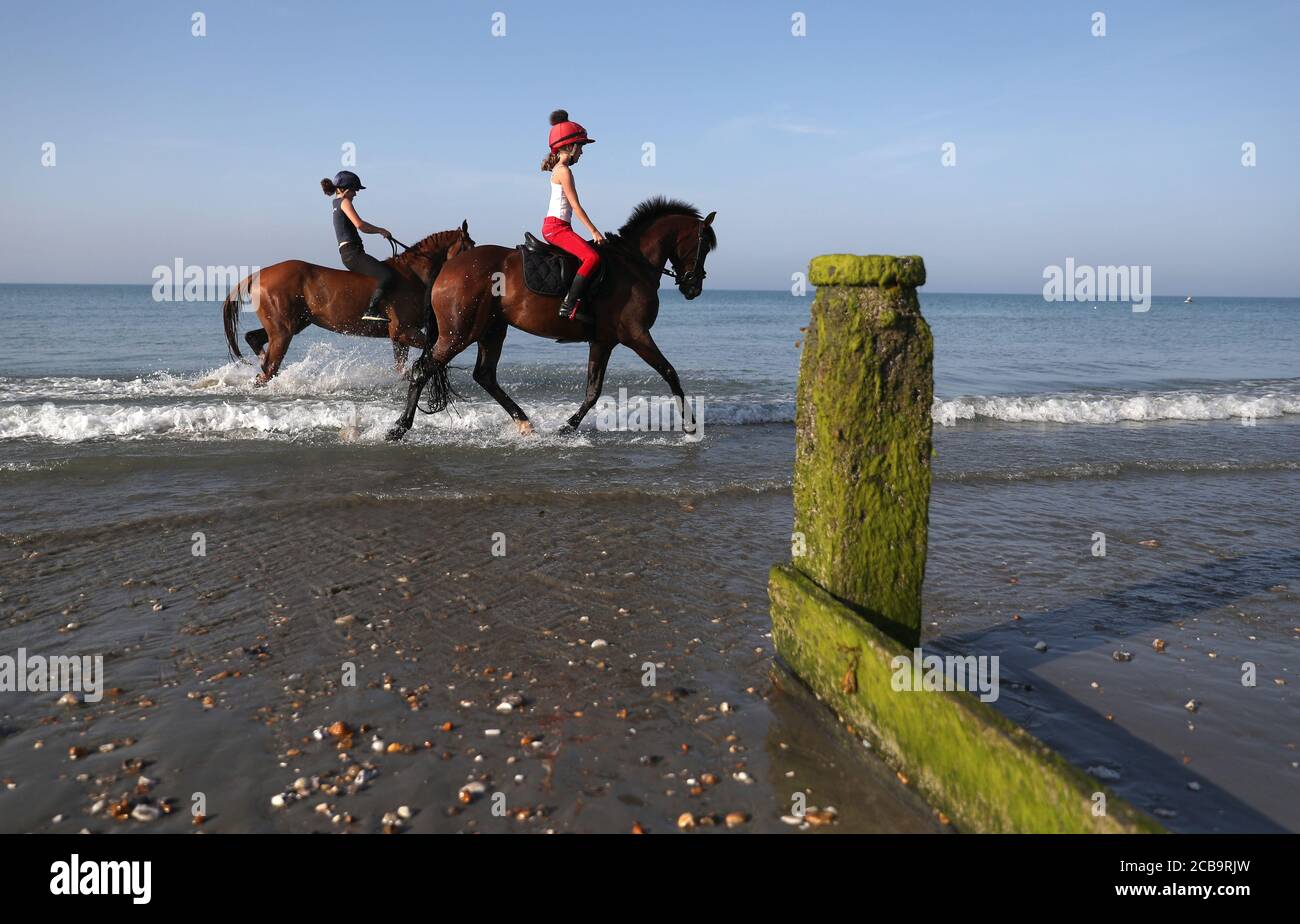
548, 270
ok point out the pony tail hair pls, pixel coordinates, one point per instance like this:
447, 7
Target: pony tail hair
551, 160
559, 116
327, 187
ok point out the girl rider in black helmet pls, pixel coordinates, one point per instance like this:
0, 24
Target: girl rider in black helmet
347, 222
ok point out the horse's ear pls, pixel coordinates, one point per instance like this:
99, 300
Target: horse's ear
464, 226
709, 219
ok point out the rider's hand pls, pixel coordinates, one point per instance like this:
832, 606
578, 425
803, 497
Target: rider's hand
598, 237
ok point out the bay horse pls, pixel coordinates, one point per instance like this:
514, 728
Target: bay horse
293, 294
480, 294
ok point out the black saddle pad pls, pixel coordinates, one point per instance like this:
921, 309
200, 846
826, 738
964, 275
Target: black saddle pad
548, 270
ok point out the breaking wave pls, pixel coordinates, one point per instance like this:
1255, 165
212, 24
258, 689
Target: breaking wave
1263, 400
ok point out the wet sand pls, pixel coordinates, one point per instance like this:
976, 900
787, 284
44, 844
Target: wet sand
221, 689
230, 690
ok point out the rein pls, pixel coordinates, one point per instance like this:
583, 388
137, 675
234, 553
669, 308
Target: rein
394, 242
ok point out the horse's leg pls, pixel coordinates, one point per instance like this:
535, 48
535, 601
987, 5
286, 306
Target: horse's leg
597, 359
647, 349
277, 346
279, 334
256, 340
403, 339
432, 364
485, 373
400, 353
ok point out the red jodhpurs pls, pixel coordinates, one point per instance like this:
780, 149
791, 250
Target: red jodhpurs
561, 234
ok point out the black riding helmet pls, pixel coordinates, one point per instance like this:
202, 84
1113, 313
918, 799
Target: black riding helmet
346, 179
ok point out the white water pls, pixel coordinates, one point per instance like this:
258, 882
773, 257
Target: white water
1104, 409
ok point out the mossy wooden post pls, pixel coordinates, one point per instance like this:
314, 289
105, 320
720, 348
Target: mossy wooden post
862, 457
849, 603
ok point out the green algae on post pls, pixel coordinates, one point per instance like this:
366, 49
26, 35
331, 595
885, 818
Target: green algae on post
846, 269
985, 772
850, 602
862, 456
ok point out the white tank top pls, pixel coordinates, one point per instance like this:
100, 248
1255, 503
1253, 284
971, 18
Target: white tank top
559, 207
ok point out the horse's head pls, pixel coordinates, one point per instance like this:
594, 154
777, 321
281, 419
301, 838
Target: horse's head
463, 241
670, 231
693, 243
427, 256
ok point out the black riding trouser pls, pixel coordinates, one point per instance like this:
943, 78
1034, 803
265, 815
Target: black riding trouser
358, 261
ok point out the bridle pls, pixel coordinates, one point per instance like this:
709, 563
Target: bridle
695, 275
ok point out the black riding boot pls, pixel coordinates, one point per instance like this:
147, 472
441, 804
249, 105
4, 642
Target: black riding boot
373, 312
571, 307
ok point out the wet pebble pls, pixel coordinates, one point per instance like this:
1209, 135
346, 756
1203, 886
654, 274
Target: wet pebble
392, 823
145, 812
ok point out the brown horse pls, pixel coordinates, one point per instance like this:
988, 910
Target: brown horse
293, 294
481, 293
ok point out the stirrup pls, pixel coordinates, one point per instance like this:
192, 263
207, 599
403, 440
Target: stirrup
577, 313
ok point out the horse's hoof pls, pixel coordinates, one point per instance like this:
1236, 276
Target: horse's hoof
395, 435
525, 427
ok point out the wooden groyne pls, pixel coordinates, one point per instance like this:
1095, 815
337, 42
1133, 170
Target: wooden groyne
848, 605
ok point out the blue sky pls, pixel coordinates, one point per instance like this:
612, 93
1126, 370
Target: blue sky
1122, 149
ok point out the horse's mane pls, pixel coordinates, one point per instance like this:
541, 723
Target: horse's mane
656, 207
438, 240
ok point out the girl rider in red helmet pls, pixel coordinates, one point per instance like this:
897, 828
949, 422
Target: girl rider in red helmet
566, 142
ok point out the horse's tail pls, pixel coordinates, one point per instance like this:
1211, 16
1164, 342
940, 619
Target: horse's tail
441, 393
230, 314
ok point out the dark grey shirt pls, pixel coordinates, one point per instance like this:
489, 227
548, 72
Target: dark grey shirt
344, 229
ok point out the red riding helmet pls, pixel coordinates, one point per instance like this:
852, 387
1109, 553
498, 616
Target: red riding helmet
565, 132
